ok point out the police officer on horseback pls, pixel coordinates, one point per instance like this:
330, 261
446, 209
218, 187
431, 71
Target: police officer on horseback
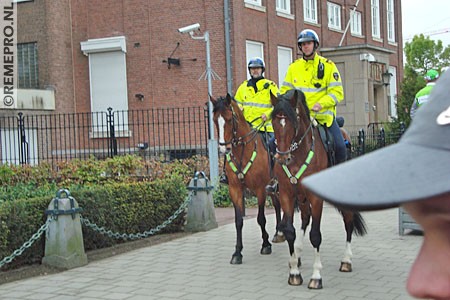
253, 97
319, 79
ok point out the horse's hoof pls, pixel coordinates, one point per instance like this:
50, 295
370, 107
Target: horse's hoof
266, 250
295, 279
345, 267
278, 238
315, 284
236, 260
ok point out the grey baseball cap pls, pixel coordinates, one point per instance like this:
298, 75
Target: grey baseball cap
415, 168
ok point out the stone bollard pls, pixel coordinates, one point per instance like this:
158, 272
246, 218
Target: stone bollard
64, 246
200, 214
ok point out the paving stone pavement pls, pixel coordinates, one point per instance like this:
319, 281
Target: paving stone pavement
197, 267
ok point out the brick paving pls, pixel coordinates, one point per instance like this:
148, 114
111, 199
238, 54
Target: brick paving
197, 266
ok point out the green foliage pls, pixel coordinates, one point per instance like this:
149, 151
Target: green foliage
422, 54
121, 207
221, 196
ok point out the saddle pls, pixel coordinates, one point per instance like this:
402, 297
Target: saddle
328, 143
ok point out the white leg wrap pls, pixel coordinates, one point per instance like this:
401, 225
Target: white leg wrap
317, 267
347, 258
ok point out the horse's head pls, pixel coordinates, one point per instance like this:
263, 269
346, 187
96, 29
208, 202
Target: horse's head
290, 116
225, 119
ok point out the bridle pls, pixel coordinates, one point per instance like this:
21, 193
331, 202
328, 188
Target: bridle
294, 146
235, 141
239, 140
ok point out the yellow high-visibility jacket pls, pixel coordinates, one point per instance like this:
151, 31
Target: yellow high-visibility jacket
303, 75
254, 104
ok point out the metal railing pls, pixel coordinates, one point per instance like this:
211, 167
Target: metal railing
167, 133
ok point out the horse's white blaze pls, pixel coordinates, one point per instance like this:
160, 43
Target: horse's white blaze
283, 122
317, 266
221, 123
347, 254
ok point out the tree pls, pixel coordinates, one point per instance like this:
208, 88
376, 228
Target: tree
422, 54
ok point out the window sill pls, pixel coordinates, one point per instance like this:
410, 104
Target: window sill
357, 35
104, 134
335, 29
377, 39
393, 43
255, 7
285, 15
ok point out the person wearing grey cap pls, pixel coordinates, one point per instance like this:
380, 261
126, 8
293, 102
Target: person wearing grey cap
414, 174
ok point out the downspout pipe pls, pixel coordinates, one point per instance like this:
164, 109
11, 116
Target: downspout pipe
226, 12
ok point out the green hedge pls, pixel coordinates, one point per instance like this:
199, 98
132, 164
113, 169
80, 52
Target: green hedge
121, 207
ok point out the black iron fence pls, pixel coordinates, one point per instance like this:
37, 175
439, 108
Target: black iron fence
166, 133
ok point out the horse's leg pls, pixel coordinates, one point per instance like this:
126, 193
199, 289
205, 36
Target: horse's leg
305, 212
279, 236
236, 195
353, 222
287, 227
266, 246
315, 237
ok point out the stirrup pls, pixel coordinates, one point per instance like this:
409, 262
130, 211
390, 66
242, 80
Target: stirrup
223, 179
272, 187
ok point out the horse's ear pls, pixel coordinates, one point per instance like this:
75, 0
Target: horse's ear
293, 99
229, 98
214, 101
273, 99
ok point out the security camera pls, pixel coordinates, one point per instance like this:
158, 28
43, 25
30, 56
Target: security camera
189, 28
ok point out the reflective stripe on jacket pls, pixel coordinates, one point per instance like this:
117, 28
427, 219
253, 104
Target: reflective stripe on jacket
328, 91
256, 104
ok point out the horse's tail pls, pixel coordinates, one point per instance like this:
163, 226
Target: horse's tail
359, 225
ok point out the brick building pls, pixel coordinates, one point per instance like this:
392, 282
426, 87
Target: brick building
80, 56
139, 36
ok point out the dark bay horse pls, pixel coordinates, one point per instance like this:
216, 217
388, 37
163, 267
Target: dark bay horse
246, 166
300, 153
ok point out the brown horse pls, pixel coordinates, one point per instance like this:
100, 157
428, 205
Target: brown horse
246, 166
300, 153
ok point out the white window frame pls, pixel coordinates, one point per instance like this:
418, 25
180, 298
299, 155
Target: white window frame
355, 23
310, 11
284, 6
390, 19
253, 49
375, 12
111, 53
334, 16
284, 60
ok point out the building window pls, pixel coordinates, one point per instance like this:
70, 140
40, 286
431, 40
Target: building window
284, 60
253, 49
310, 10
284, 6
390, 20
334, 15
355, 24
254, 2
376, 18
108, 80
27, 65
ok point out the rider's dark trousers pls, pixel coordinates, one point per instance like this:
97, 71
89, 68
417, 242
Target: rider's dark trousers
341, 151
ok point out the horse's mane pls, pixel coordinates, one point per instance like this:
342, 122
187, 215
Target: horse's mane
284, 106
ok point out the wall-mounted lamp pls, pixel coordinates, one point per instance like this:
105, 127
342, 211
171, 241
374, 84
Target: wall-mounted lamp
140, 97
386, 77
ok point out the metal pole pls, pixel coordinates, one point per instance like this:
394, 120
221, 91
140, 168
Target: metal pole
212, 143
